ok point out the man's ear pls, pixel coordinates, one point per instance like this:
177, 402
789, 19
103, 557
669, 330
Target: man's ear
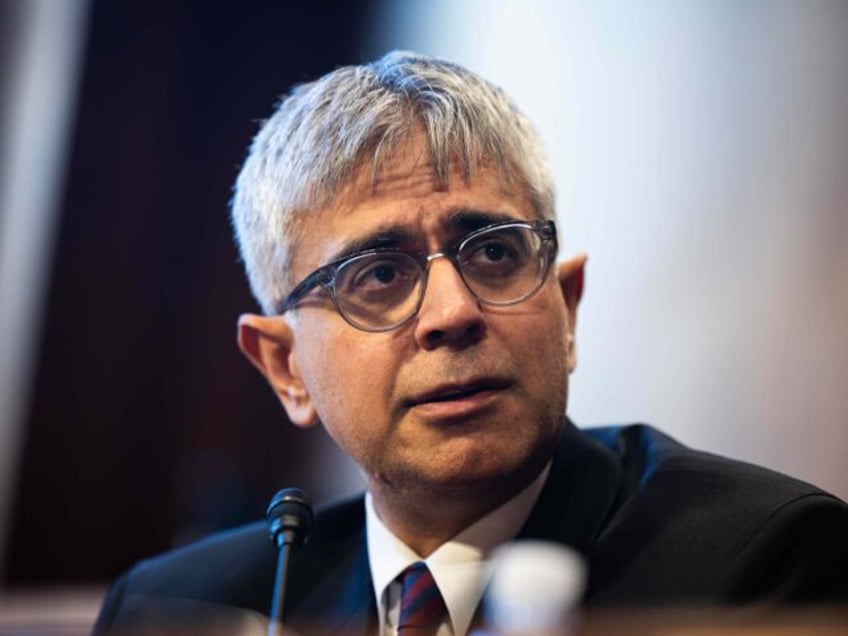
268, 342
571, 275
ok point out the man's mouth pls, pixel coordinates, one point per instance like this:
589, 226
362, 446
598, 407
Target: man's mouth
458, 391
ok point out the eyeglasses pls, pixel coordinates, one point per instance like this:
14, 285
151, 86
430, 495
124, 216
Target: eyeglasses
381, 289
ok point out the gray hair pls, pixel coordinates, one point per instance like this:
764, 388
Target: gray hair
325, 130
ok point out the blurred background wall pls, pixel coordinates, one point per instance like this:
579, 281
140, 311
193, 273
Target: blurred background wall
701, 154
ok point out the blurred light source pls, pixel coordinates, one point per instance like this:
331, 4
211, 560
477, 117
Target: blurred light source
39, 90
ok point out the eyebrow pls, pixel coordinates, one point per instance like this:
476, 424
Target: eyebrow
469, 220
462, 221
389, 237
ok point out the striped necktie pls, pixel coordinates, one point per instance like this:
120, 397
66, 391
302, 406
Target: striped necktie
422, 609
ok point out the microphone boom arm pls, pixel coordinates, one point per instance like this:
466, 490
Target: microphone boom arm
289, 517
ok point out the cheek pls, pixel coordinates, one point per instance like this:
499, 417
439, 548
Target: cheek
545, 345
351, 385
547, 309
349, 376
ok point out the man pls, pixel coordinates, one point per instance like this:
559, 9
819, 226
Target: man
396, 223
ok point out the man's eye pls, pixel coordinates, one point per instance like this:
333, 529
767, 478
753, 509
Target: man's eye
383, 273
375, 274
378, 276
493, 253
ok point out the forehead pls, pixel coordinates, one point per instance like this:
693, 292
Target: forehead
406, 198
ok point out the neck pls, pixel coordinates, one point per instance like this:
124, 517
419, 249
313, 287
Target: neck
427, 518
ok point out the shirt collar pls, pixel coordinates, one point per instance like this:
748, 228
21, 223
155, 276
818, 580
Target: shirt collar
458, 565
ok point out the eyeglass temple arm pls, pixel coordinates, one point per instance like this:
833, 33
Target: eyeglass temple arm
318, 277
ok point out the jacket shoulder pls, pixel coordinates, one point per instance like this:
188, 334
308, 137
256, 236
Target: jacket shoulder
649, 459
694, 527
229, 573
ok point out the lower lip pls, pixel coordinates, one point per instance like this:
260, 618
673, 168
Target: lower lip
456, 408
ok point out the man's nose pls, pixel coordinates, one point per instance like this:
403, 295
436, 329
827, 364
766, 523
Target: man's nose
450, 313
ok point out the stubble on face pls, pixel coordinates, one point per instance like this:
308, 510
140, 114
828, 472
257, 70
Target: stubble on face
362, 383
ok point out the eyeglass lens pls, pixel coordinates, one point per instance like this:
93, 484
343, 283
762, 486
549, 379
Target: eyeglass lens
500, 266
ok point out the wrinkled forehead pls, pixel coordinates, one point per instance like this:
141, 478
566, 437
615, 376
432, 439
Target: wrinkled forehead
407, 191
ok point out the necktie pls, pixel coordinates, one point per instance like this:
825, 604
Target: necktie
422, 608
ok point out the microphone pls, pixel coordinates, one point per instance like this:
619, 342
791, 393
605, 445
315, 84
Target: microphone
289, 517
535, 588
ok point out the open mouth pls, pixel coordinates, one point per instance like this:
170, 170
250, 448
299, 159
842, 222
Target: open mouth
458, 392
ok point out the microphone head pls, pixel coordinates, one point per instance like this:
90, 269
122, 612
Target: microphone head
535, 588
289, 517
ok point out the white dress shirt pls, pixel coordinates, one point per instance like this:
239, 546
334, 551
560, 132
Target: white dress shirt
458, 566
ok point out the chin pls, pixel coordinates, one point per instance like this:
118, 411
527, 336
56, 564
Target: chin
479, 469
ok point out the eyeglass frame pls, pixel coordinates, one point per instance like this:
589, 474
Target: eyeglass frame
325, 276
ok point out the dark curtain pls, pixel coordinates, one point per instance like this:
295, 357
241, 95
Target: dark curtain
146, 428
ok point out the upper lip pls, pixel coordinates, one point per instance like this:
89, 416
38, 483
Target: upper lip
454, 390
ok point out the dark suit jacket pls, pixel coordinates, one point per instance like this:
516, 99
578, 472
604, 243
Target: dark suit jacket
658, 524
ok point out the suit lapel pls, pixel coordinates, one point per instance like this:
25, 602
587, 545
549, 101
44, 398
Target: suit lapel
335, 573
342, 603
578, 496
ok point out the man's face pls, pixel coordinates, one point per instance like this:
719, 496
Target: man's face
463, 396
